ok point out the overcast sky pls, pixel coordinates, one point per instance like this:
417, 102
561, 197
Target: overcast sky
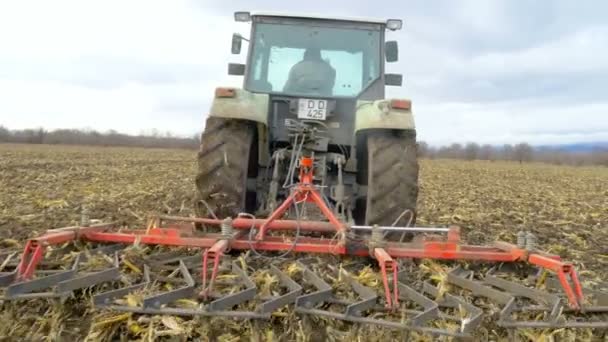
486, 71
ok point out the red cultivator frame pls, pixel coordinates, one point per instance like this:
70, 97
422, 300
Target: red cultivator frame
245, 232
215, 245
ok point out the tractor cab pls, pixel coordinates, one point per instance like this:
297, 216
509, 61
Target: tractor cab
323, 57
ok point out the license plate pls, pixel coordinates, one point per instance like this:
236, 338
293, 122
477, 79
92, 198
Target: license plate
312, 109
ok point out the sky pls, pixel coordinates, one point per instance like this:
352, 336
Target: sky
496, 72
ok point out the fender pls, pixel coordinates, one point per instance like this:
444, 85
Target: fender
234, 103
393, 114
239, 104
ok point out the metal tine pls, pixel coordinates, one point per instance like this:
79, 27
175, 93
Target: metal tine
323, 293
24, 289
63, 282
155, 301
431, 308
305, 304
93, 278
368, 297
239, 297
294, 290
7, 277
552, 302
475, 314
106, 299
458, 277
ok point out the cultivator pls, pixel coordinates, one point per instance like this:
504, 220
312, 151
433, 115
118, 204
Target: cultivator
192, 272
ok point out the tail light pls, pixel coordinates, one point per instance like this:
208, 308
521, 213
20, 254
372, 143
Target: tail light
225, 92
401, 104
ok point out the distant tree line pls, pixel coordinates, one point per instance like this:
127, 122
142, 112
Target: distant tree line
153, 139
522, 152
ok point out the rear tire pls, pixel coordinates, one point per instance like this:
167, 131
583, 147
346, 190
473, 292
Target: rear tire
392, 177
223, 164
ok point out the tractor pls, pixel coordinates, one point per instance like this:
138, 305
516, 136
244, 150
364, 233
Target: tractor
306, 206
312, 86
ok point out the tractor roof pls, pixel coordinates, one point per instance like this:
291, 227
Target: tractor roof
319, 16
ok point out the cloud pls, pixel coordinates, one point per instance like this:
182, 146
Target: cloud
493, 72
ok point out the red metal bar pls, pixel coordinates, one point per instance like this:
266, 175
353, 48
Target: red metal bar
30, 258
388, 264
444, 250
215, 252
150, 239
305, 191
578, 288
278, 213
316, 198
246, 223
307, 245
562, 270
178, 236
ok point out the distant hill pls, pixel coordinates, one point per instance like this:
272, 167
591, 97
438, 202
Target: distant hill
577, 147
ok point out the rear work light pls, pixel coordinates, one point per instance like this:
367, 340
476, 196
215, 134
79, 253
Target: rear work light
225, 92
242, 16
394, 24
401, 104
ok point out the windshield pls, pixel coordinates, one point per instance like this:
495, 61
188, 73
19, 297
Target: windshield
312, 60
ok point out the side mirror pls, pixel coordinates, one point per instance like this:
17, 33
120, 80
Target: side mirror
393, 79
236, 43
391, 51
236, 69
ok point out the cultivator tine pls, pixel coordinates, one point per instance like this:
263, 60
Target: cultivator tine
507, 292
90, 279
430, 307
460, 277
26, 289
106, 299
474, 314
314, 302
7, 277
274, 303
239, 297
155, 301
367, 295
8, 261
323, 293
60, 283
225, 305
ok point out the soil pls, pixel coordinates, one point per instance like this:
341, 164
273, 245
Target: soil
46, 187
